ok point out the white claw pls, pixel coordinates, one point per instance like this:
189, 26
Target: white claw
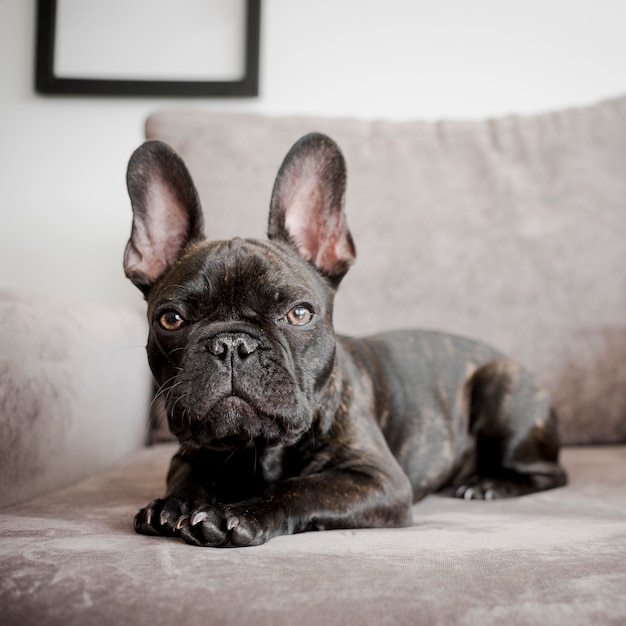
468, 494
149, 514
198, 517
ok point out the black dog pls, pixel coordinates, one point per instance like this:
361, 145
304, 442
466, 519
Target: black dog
284, 427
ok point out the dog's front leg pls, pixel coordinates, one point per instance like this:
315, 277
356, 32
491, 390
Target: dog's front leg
350, 497
185, 492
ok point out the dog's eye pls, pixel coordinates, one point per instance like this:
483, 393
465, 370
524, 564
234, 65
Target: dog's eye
299, 315
170, 320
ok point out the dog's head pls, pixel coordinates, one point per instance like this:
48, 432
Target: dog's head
241, 339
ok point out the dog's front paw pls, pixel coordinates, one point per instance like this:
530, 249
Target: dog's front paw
224, 525
162, 517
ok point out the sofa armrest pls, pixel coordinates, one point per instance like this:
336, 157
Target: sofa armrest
74, 390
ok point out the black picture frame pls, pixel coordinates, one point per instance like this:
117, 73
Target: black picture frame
47, 83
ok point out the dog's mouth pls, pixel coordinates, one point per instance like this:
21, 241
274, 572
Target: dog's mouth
234, 408
234, 421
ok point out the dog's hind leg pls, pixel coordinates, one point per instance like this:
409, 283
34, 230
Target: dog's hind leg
516, 435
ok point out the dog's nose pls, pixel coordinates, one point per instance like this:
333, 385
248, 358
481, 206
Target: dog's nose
235, 344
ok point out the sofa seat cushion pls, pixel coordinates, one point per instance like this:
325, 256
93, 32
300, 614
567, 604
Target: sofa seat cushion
72, 557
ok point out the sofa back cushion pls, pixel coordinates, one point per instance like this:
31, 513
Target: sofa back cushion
512, 231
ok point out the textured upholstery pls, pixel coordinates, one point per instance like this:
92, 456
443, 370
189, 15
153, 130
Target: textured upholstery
72, 558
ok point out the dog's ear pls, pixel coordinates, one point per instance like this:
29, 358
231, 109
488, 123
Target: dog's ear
306, 210
166, 213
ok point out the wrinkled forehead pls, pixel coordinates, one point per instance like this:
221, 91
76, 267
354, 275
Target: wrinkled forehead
239, 268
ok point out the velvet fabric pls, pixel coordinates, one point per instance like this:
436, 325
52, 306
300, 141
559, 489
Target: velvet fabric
553, 558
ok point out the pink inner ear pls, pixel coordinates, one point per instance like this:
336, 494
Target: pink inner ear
304, 219
171, 226
338, 249
157, 242
319, 236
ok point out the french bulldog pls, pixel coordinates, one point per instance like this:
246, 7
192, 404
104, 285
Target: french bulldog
283, 426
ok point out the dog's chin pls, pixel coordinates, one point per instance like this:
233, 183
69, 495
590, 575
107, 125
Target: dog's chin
234, 423
233, 410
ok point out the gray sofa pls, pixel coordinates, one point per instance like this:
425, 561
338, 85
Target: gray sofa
512, 231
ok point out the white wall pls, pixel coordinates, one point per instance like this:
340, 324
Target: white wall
64, 214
